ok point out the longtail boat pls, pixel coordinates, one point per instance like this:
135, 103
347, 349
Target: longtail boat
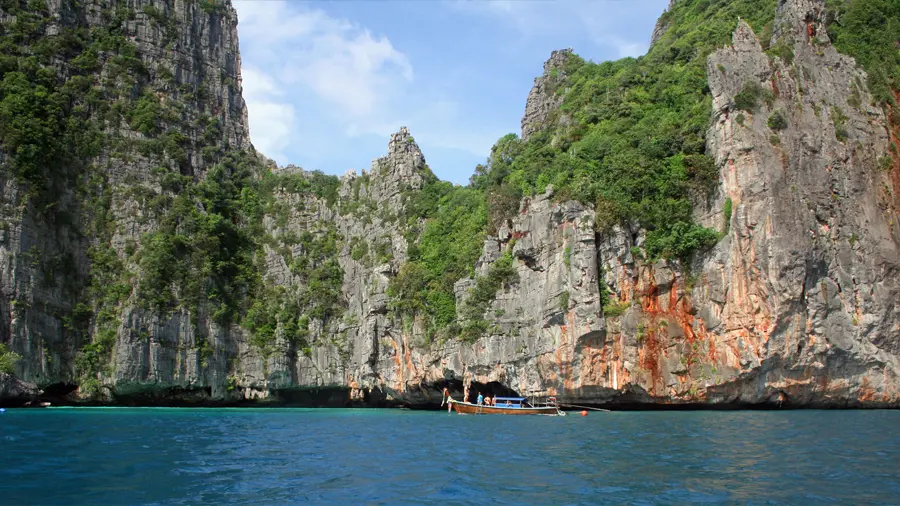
507, 406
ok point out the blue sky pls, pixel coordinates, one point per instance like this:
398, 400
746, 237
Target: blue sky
327, 82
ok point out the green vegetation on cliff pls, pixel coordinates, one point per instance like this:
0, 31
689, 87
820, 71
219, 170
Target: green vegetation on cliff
68, 97
201, 246
501, 273
442, 251
629, 139
869, 30
630, 135
45, 121
8, 360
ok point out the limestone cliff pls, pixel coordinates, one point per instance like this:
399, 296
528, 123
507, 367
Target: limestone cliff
183, 268
797, 302
545, 96
155, 88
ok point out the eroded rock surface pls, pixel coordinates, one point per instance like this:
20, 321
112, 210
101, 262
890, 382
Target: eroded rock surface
797, 302
662, 25
15, 392
545, 96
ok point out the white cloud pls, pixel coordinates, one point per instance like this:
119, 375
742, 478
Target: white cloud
256, 82
271, 117
304, 69
355, 74
318, 86
624, 48
604, 22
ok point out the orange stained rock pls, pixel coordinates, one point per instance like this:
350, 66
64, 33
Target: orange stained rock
565, 355
401, 381
895, 154
821, 379
735, 354
409, 363
885, 381
593, 365
603, 365
866, 392
649, 360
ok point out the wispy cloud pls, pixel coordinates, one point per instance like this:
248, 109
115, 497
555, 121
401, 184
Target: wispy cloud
272, 118
355, 72
597, 20
326, 83
304, 67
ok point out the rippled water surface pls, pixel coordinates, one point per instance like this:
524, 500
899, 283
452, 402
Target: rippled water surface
279, 456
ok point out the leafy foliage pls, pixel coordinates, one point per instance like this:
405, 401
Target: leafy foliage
8, 360
628, 139
634, 137
45, 126
726, 214
501, 273
869, 30
445, 224
777, 121
748, 98
200, 251
211, 6
613, 309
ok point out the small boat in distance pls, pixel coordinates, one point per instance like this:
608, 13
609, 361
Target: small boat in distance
508, 406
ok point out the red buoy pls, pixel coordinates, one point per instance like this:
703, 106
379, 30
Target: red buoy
584, 413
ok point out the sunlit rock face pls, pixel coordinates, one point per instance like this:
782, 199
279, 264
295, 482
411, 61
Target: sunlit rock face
662, 25
797, 302
545, 97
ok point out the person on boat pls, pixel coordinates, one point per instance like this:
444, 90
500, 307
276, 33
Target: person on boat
508, 404
446, 397
480, 400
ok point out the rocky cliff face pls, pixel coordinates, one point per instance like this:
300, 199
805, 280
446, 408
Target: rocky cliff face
795, 304
813, 253
545, 96
662, 25
160, 85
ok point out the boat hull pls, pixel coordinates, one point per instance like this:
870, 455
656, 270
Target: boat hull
465, 408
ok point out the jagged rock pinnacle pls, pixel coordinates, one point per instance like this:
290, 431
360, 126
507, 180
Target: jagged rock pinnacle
403, 144
401, 168
662, 24
542, 100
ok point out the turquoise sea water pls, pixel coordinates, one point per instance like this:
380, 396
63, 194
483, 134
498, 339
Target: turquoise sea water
281, 456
